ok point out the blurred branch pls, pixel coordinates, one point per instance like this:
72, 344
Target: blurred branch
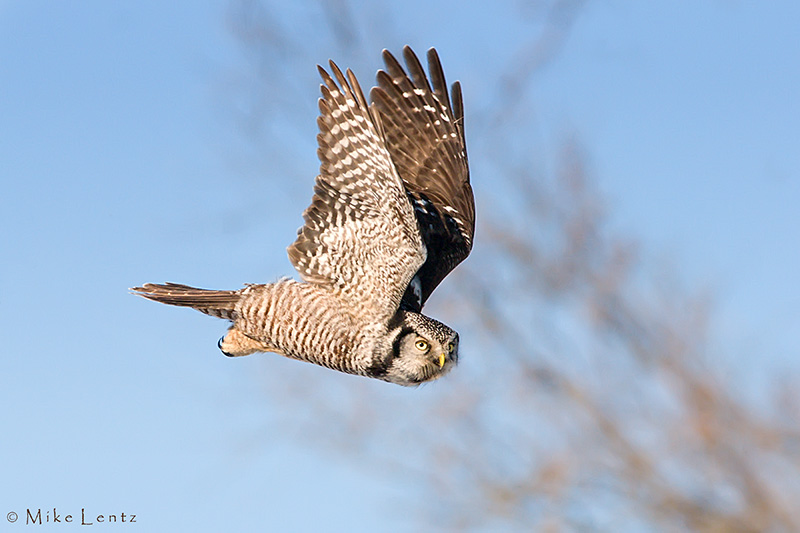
531, 57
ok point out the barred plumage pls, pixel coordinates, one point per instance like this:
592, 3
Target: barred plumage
392, 214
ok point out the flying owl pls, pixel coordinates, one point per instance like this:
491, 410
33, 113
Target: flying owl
392, 214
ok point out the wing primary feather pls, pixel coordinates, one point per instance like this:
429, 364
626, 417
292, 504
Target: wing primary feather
437, 78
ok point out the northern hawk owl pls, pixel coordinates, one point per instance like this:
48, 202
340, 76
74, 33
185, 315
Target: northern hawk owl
392, 214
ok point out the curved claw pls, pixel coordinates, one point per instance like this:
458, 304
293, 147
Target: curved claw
219, 345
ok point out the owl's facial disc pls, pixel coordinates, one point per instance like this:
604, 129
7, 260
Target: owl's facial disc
421, 350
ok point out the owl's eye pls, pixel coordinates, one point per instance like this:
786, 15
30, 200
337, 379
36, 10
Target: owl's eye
421, 345
450, 347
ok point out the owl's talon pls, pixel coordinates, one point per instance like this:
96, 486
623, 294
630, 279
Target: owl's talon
219, 345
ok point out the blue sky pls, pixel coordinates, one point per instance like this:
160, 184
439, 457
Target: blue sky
120, 164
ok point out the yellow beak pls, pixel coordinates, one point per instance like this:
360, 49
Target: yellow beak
441, 361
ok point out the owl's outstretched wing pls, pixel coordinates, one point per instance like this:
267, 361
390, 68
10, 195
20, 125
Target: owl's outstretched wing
425, 138
360, 236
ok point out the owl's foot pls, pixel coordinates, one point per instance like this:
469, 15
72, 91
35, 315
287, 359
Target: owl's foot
236, 344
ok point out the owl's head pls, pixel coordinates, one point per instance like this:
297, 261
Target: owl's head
419, 349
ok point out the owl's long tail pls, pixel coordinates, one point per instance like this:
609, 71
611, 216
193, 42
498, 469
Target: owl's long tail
221, 304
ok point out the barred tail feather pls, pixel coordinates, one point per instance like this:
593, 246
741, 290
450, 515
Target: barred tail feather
221, 304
